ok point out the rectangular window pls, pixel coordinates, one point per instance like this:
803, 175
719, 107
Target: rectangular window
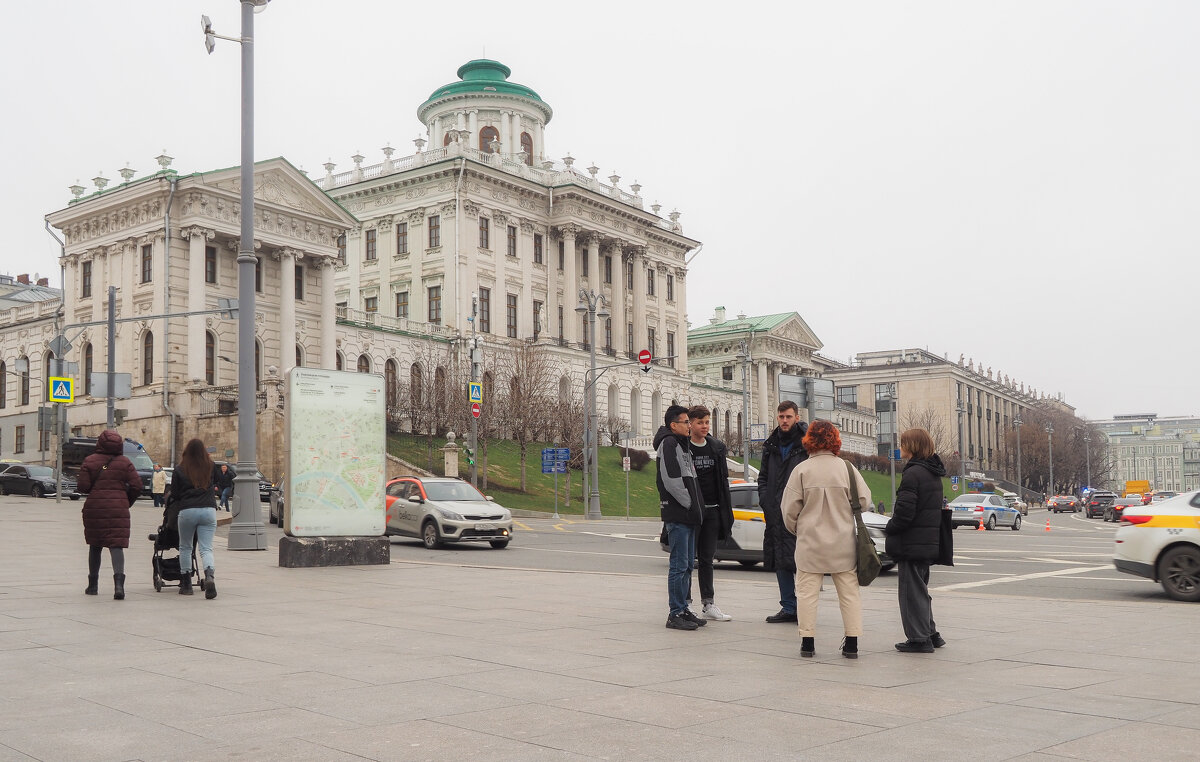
258, 274
147, 263
44, 440
435, 305
608, 333
512, 241
371, 304
19, 439
485, 310
512, 316
583, 331
583, 264
85, 279
401, 237
847, 395
607, 268
537, 319
629, 338
402, 304
629, 277
560, 322
372, 242
537, 248
210, 264
650, 340
484, 232
649, 282
299, 283
562, 255
670, 287
435, 231
727, 373
341, 246
671, 348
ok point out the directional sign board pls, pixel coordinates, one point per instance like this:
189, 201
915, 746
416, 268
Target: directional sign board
475, 392
554, 460
61, 389
954, 480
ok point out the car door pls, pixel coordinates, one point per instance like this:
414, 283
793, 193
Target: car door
18, 481
1004, 514
408, 513
392, 495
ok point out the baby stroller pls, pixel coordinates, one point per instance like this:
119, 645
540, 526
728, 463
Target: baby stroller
166, 539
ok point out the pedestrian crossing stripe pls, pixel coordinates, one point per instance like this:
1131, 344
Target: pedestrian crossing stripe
62, 389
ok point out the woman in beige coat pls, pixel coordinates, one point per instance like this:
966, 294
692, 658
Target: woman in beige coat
816, 508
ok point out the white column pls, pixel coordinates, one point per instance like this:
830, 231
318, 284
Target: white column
550, 316
764, 412
570, 287
618, 298
418, 239
287, 307
595, 277
328, 325
514, 140
637, 257
525, 295
473, 126
661, 293
197, 238
681, 344
539, 142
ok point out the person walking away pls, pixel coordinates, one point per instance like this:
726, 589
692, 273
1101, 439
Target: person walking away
682, 509
192, 490
158, 485
915, 538
782, 452
817, 510
224, 484
712, 476
111, 483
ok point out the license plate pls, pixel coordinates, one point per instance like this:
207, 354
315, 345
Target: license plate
484, 527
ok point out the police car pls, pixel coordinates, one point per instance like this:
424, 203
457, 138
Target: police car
1161, 542
978, 508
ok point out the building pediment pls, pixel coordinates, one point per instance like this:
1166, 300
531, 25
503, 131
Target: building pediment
795, 329
278, 183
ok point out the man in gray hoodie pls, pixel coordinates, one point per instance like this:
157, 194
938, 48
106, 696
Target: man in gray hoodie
682, 509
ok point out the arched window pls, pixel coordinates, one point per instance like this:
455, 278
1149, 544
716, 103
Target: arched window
656, 408
147, 358
739, 421
364, 364
389, 383
727, 423
527, 147
23, 392
3, 385
299, 356
210, 358
87, 370
716, 418
439, 396
486, 136
564, 390
614, 404
337, 361
489, 387
415, 383
446, 140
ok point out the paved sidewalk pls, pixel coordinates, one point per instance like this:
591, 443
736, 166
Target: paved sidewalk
422, 661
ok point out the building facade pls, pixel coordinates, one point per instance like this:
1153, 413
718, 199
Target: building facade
1164, 451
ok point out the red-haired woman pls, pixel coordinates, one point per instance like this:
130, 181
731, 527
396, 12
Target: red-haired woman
816, 508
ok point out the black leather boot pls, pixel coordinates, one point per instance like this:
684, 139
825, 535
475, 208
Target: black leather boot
807, 647
118, 587
850, 647
93, 580
210, 584
185, 584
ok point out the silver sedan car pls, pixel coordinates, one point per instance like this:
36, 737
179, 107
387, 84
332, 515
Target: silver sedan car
980, 508
442, 510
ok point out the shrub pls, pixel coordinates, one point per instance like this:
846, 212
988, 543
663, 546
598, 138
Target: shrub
637, 459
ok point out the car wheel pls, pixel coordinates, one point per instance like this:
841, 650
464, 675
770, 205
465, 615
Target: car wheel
498, 544
1179, 571
430, 535
748, 564
991, 522
1016, 527
36, 491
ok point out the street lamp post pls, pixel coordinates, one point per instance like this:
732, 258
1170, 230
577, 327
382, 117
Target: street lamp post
1050, 441
247, 531
743, 357
1087, 450
593, 305
892, 450
962, 456
1017, 422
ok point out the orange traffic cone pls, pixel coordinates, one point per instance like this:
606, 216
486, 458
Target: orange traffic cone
1047, 523
980, 528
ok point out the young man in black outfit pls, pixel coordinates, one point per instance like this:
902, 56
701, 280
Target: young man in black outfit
782, 452
712, 474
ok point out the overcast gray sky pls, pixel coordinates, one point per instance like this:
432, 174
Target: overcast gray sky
1016, 182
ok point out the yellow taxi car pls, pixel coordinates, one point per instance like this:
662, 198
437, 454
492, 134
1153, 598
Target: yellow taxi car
1161, 542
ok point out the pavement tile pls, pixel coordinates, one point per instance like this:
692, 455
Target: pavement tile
879, 707
1099, 701
397, 702
783, 731
528, 721
1133, 741
430, 741
649, 708
84, 730
250, 727
528, 685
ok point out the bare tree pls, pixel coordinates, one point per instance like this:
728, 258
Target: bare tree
489, 415
933, 421
567, 428
614, 426
427, 391
529, 374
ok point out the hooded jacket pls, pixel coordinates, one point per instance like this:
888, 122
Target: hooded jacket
111, 483
724, 499
679, 496
779, 545
914, 531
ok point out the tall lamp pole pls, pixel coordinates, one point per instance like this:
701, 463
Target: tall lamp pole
962, 455
1020, 487
743, 357
1050, 441
892, 451
247, 531
1087, 450
593, 305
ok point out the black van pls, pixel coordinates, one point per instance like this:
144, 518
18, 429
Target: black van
76, 449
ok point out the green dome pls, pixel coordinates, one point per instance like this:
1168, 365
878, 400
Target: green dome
483, 76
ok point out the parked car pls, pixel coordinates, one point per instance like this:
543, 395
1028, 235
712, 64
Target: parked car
1161, 542
979, 507
442, 510
76, 449
1164, 495
1060, 503
1098, 503
264, 484
1117, 509
35, 481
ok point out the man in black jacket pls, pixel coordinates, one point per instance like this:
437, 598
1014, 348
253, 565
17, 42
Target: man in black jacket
682, 510
712, 474
781, 453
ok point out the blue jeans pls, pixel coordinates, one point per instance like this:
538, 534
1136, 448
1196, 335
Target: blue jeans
200, 523
681, 538
225, 497
787, 590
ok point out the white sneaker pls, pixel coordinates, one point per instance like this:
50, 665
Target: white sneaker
712, 612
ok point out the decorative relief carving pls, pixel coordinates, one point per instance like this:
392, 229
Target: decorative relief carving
383, 201
418, 192
500, 218
384, 224
500, 195
416, 216
527, 204
598, 217
470, 208
527, 226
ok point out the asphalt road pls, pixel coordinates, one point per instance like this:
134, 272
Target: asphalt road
1072, 561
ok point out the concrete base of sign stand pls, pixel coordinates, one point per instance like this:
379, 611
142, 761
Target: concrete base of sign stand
304, 552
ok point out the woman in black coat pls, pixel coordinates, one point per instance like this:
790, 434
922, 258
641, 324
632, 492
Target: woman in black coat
915, 538
111, 483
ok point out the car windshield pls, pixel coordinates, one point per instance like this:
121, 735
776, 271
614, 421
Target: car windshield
141, 461
41, 472
452, 491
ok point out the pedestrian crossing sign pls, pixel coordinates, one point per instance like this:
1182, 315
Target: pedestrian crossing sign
62, 389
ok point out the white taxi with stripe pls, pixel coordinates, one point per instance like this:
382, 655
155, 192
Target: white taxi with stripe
1161, 541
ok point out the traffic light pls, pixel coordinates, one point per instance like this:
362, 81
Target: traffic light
470, 455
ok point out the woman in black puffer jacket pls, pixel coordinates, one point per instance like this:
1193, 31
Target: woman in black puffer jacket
916, 538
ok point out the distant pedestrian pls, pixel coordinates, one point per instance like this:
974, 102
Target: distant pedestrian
881, 509
782, 452
224, 484
192, 492
682, 510
712, 474
817, 510
111, 483
919, 534
158, 485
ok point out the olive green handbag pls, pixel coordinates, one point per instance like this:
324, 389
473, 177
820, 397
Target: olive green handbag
869, 565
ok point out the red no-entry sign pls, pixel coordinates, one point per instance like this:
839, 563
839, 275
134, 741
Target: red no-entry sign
644, 357
476, 409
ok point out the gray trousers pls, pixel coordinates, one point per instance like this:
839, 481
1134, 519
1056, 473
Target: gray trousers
916, 607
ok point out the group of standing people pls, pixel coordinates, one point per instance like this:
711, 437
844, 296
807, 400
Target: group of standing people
805, 492
112, 484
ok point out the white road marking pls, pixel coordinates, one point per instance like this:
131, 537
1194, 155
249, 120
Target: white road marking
1021, 578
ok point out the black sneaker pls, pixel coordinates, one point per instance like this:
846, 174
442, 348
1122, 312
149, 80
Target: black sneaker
915, 647
782, 616
680, 623
691, 617
938, 640
807, 647
850, 647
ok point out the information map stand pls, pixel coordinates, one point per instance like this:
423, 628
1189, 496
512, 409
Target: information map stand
554, 461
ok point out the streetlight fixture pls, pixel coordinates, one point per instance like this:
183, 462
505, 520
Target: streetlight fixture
1050, 440
593, 305
247, 531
